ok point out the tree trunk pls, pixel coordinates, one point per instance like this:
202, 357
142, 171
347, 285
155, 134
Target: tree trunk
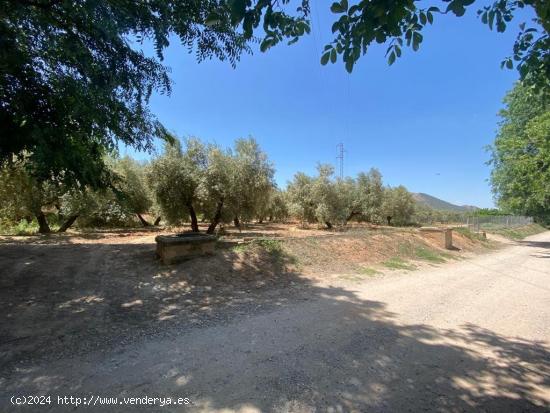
216, 219
236, 222
270, 218
157, 221
43, 226
143, 221
351, 215
261, 221
194, 222
67, 224
328, 224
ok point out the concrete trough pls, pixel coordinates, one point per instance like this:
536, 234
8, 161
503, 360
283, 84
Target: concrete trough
181, 247
446, 235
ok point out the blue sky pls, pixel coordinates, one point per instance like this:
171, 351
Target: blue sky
423, 122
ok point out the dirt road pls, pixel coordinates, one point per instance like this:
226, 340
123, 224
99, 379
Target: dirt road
472, 335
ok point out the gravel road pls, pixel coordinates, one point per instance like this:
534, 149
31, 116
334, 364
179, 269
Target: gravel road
471, 335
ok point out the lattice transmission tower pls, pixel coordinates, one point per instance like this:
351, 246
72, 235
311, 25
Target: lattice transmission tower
340, 157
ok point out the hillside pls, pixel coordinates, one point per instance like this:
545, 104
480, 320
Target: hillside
439, 204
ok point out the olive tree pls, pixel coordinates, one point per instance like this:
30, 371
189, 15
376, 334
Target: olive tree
366, 196
222, 185
23, 196
300, 198
320, 199
131, 186
329, 197
253, 179
216, 188
398, 205
174, 178
276, 207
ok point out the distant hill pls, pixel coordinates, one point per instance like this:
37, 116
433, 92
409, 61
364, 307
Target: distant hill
436, 203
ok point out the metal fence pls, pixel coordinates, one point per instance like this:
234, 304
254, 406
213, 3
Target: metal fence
475, 223
488, 222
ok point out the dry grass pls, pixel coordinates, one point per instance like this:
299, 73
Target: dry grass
519, 233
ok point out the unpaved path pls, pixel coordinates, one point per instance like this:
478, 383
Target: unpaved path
472, 335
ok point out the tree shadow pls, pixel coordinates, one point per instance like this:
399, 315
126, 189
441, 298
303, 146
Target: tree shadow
87, 296
275, 342
535, 244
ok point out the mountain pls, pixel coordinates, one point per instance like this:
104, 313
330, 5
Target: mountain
436, 203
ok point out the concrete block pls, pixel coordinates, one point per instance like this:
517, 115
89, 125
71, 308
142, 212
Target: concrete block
180, 247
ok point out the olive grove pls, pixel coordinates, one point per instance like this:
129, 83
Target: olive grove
193, 182
327, 200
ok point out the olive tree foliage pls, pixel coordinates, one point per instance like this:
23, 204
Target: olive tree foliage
328, 196
175, 177
301, 204
221, 185
132, 188
367, 198
253, 180
92, 208
520, 154
424, 214
330, 201
217, 187
321, 198
398, 205
275, 208
22, 197
25, 197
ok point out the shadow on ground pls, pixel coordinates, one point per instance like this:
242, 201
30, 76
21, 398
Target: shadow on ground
341, 354
537, 244
89, 296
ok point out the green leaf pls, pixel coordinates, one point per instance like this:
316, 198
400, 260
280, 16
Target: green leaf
267, 43
491, 19
325, 57
247, 25
416, 40
456, 7
212, 19
337, 8
423, 18
430, 17
333, 56
391, 59
292, 41
238, 9
509, 64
